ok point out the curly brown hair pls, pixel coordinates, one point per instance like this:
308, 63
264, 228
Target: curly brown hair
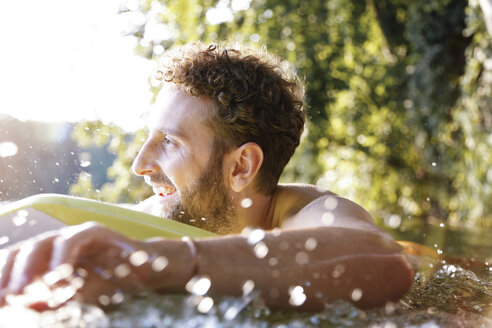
257, 101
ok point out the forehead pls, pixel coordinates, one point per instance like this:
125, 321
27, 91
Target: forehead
177, 111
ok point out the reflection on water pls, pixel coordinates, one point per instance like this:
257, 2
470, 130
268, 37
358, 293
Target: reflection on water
445, 294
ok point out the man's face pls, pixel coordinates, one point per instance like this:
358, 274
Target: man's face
183, 166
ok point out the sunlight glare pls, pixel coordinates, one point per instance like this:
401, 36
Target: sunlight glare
297, 296
220, 14
237, 5
261, 250
310, 244
198, 285
160, 264
8, 149
255, 236
205, 305
138, 258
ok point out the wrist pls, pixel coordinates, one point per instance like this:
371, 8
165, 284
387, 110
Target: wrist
172, 264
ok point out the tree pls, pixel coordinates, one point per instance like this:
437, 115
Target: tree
398, 92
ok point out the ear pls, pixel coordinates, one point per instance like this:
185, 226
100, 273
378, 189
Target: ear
245, 164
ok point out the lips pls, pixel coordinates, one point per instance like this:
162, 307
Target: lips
164, 191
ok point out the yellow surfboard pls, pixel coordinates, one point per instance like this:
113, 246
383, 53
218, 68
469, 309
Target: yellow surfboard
35, 214
68, 210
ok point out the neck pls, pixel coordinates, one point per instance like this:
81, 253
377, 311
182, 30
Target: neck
253, 210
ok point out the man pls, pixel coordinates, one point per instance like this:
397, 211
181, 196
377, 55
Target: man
225, 124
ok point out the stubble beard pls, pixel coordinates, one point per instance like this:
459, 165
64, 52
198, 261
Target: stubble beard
206, 204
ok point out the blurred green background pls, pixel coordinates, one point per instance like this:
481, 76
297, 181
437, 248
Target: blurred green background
399, 94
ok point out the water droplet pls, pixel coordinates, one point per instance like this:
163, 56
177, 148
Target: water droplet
57, 180
248, 287
205, 305
276, 232
4, 240
104, 274
302, 258
389, 308
255, 236
427, 199
331, 203
85, 163
57, 164
434, 164
246, 202
23, 213
33, 292
310, 244
82, 272
439, 251
338, 271
138, 258
105, 300
8, 149
232, 312
261, 250
275, 273
160, 263
328, 218
61, 295
19, 220
442, 225
51, 278
77, 282
122, 270
297, 296
356, 294
390, 324
117, 298
273, 261
393, 221
198, 285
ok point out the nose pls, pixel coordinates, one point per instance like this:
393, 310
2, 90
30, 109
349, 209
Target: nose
146, 161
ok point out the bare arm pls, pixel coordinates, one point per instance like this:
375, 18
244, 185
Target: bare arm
327, 263
297, 267
329, 250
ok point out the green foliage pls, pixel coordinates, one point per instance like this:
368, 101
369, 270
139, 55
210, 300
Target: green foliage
125, 187
398, 91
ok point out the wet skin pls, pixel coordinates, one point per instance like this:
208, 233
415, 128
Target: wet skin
325, 244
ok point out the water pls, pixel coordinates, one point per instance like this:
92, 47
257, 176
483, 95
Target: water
452, 293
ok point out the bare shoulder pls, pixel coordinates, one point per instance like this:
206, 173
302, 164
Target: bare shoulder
291, 198
306, 206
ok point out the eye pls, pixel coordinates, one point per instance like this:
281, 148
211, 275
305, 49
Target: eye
169, 142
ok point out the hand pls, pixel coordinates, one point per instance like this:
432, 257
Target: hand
87, 262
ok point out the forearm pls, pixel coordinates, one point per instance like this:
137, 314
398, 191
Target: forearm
327, 263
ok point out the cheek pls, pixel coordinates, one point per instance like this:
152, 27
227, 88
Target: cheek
182, 170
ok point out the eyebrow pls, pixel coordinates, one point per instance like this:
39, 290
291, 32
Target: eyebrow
173, 133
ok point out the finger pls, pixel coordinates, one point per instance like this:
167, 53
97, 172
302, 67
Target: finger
94, 290
32, 261
6, 262
72, 242
97, 290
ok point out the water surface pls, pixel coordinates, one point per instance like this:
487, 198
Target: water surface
455, 292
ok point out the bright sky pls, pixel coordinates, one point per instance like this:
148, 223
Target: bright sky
66, 60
